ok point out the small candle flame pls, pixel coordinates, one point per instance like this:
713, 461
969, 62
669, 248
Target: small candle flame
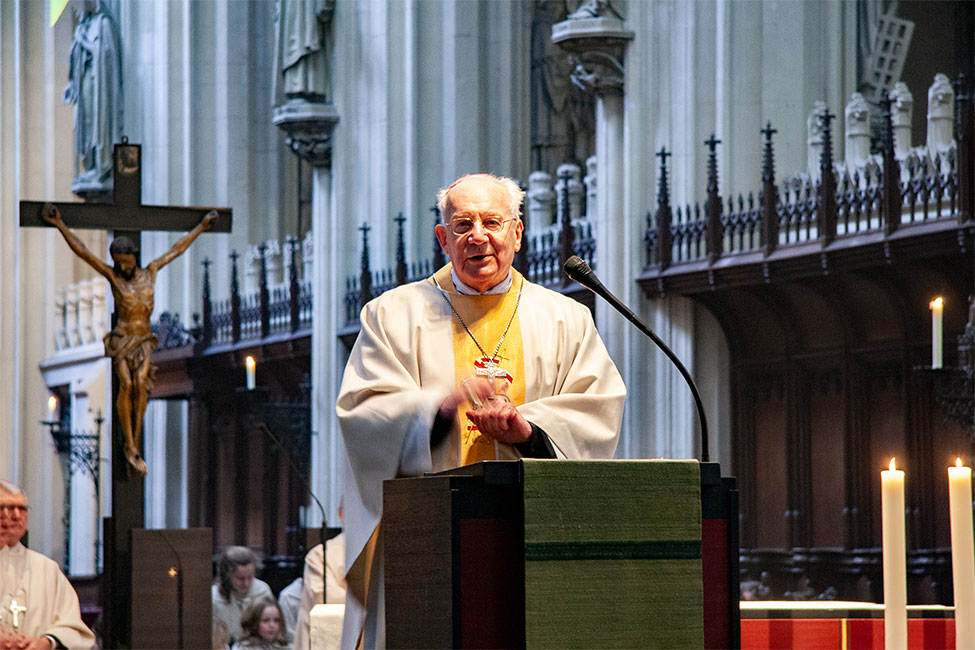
958, 462
937, 303
52, 403
892, 468
250, 362
173, 572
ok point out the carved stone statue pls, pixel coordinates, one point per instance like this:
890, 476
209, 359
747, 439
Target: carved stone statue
901, 114
594, 9
302, 48
131, 343
814, 139
941, 116
857, 149
95, 88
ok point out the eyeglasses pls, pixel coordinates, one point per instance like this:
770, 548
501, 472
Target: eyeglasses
490, 224
13, 508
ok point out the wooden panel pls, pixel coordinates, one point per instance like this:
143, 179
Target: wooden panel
171, 611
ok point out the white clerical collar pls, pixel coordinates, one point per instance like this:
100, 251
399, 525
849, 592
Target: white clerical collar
500, 287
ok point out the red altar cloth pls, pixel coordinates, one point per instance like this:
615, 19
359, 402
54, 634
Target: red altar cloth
839, 626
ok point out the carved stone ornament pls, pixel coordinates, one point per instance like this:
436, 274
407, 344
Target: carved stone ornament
595, 26
597, 72
308, 127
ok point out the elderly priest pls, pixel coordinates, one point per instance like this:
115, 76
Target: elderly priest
38, 606
474, 363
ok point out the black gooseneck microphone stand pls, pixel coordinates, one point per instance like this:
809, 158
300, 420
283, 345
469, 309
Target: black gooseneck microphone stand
577, 269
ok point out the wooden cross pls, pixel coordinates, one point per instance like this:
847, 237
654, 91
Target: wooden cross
125, 215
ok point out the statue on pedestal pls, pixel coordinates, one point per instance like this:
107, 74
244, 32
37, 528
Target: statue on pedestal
95, 89
302, 40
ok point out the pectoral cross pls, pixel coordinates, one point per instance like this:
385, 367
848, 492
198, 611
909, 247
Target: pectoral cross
485, 367
16, 610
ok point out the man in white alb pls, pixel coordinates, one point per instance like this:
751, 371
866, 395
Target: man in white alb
474, 363
38, 606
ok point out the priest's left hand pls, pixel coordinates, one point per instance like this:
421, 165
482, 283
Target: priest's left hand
23, 642
499, 420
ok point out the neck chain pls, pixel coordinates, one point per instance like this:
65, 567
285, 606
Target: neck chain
468, 330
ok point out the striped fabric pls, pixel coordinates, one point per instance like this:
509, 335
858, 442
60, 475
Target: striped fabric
613, 554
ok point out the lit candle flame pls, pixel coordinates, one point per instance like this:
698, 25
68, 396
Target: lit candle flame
892, 468
250, 362
52, 403
937, 303
958, 462
173, 572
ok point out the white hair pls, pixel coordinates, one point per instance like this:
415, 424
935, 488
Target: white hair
515, 194
10, 488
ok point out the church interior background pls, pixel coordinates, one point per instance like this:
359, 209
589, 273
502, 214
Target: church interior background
682, 148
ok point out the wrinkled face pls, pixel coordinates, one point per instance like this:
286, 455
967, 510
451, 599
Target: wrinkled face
125, 264
270, 625
480, 258
241, 578
13, 518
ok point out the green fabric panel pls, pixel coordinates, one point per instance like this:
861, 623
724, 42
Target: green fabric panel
613, 554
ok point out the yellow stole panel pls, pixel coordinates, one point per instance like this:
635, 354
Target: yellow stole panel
486, 316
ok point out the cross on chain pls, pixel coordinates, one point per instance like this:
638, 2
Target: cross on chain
768, 131
663, 154
16, 610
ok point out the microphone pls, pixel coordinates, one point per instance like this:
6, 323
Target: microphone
267, 431
577, 269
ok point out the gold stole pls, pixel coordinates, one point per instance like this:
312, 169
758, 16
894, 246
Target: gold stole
486, 316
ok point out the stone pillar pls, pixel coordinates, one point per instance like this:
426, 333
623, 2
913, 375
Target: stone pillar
595, 39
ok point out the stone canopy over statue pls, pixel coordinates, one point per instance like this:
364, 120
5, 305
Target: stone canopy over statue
95, 89
131, 342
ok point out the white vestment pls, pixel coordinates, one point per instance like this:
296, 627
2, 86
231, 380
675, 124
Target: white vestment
311, 592
36, 583
400, 370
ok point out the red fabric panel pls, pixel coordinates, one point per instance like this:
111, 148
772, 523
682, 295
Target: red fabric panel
491, 613
785, 633
863, 634
714, 566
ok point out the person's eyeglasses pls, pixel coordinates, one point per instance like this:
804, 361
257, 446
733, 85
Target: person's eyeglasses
13, 508
490, 224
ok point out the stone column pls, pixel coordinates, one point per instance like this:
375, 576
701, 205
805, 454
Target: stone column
308, 127
595, 39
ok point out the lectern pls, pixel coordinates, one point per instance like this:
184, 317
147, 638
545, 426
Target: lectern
563, 554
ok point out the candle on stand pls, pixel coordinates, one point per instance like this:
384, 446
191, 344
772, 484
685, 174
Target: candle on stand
895, 558
937, 310
251, 366
52, 407
962, 553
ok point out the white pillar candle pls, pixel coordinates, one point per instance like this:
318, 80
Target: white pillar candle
895, 558
52, 407
962, 553
251, 366
937, 309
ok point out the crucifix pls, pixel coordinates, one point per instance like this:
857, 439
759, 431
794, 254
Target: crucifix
129, 343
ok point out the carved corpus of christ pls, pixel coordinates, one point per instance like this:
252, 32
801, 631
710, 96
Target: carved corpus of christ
131, 342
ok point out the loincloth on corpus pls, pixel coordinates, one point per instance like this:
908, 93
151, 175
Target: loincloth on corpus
133, 351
